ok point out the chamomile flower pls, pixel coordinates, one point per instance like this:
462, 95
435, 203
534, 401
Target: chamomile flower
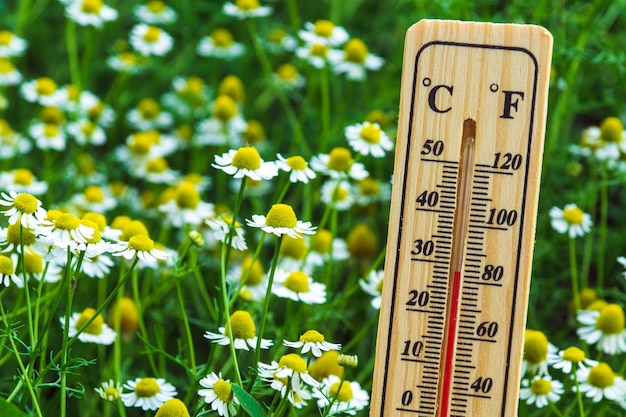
186, 207
362, 242
128, 316
324, 247
600, 382
339, 164
96, 332
287, 77
48, 136
189, 98
278, 41
142, 247
323, 32
148, 115
326, 365
298, 286
316, 54
40, 90
9, 75
7, 272
341, 395
221, 227
156, 171
314, 342
541, 391
370, 191
354, 60
173, 407
109, 391
374, 287
245, 162
37, 268
155, 12
220, 44
22, 180
150, 40
11, 142
290, 377
537, 350
23, 208
604, 328
571, 220
225, 126
93, 198
243, 333
86, 132
338, 194
243, 9
281, 220
127, 62
218, 393
297, 167
65, 231
90, 12
249, 278
572, 358
11, 45
368, 139
148, 393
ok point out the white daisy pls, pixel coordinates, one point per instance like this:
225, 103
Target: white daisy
218, 393
245, 162
339, 164
571, 220
537, 353
22, 180
374, 287
40, 90
220, 44
278, 41
65, 231
155, 12
150, 40
243, 333
243, 9
604, 328
290, 377
338, 194
316, 54
22, 207
156, 171
324, 247
323, 32
190, 98
281, 220
7, 272
11, 45
96, 332
249, 278
298, 286
354, 60
93, 198
142, 247
314, 342
370, 191
221, 228
186, 207
128, 62
297, 167
9, 75
225, 126
541, 391
149, 115
148, 393
48, 136
341, 395
109, 391
287, 76
86, 132
90, 12
570, 359
368, 139
600, 382
11, 142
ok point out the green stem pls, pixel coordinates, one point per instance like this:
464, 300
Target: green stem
604, 212
142, 325
69, 283
574, 273
325, 97
579, 397
181, 303
72, 52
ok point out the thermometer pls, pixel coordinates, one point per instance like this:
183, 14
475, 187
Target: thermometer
462, 222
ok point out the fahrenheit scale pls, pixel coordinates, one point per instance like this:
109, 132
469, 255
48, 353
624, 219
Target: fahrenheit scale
462, 223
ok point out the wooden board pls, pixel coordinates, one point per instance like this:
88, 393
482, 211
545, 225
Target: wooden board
462, 222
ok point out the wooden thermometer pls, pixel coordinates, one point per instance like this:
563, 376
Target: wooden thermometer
462, 223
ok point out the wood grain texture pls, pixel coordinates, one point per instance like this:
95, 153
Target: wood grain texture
496, 76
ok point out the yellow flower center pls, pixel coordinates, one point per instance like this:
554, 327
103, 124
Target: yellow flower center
326, 365
355, 51
573, 354
293, 247
5, 129
292, 361
45, 86
25, 203
254, 132
156, 165
573, 215
33, 263
98, 219
223, 390
379, 286
91, 6
601, 376
140, 142
50, 130
13, 235
312, 336
156, 6
95, 327
5, 37
297, 163
88, 128
340, 193
247, 5
343, 391
377, 116
247, 158
254, 269
185, 132
149, 108
51, 115
187, 196
96, 230
324, 28
130, 229
362, 242
111, 394
224, 108
141, 243
322, 242
128, 58
611, 129
281, 215
535, 346
6, 66
152, 34
370, 133
611, 319
66, 221
172, 408
222, 38
53, 214
129, 316
319, 50
369, 186
276, 35
339, 159
6, 266
242, 325
297, 281
587, 296
287, 72
541, 386
232, 86
94, 194
147, 387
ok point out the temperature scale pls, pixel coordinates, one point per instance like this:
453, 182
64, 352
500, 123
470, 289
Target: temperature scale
462, 223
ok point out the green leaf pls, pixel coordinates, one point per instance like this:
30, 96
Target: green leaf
248, 403
10, 410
